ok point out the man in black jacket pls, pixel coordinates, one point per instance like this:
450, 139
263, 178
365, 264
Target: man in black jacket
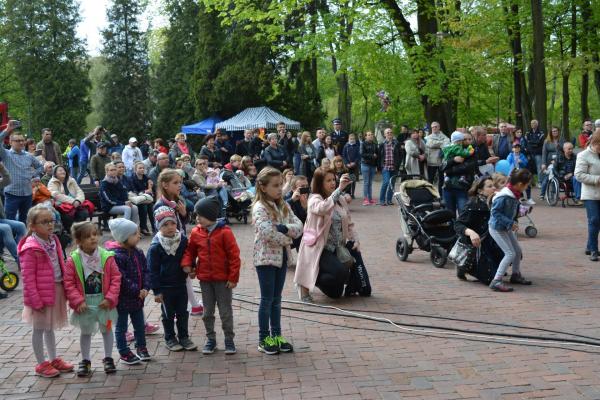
390, 158
247, 147
535, 144
339, 137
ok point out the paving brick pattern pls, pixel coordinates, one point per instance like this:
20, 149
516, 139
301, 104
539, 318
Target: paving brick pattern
332, 361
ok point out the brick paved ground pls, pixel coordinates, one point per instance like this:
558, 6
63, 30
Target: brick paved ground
334, 362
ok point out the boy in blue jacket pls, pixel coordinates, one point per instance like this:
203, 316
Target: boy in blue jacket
351, 156
168, 278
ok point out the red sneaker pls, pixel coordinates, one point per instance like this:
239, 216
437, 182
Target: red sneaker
373, 202
366, 202
151, 328
61, 365
199, 310
46, 370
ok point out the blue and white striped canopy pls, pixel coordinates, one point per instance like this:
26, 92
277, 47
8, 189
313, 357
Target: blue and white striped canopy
257, 117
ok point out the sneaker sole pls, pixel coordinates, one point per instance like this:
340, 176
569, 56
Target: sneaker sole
47, 375
130, 362
230, 352
207, 351
286, 351
191, 348
84, 375
270, 353
175, 349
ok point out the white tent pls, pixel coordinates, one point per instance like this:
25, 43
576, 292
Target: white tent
257, 117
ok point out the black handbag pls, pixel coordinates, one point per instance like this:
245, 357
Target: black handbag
358, 281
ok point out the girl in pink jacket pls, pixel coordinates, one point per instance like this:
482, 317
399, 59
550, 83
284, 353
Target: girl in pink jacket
92, 285
45, 307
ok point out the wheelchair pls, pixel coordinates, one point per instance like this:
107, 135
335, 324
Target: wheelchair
559, 189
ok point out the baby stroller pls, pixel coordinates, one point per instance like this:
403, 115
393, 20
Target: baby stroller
239, 197
524, 211
424, 220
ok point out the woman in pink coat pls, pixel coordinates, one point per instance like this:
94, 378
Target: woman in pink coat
323, 258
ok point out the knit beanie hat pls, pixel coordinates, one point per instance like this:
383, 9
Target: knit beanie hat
457, 136
208, 208
164, 214
122, 228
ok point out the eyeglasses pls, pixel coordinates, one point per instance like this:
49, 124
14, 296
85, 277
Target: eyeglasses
47, 222
18, 140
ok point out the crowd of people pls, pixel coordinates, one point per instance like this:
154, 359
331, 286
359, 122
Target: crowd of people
300, 190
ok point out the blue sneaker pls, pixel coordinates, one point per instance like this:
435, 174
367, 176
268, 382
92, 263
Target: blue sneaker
209, 347
230, 347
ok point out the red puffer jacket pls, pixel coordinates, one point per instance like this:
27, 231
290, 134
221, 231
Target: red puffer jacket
217, 252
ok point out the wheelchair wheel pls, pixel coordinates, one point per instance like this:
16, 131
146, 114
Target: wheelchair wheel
402, 249
552, 192
438, 256
531, 231
9, 281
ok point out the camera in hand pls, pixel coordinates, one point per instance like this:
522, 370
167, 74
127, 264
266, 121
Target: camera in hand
352, 177
304, 190
17, 124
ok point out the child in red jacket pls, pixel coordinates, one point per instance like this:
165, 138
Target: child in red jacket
92, 285
212, 243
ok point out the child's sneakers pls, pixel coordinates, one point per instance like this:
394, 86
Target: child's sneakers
46, 370
284, 345
173, 345
149, 329
230, 347
130, 358
366, 202
268, 346
109, 365
61, 365
499, 286
84, 368
210, 346
198, 310
143, 354
187, 344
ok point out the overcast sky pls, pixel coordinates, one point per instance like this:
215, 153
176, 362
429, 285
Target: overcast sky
93, 13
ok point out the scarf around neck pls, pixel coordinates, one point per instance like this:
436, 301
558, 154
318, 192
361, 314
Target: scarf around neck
514, 191
169, 244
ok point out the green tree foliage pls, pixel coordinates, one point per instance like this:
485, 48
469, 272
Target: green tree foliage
49, 63
125, 107
171, 86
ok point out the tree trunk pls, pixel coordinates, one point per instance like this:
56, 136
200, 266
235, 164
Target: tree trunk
587, 25
520, 91
567, 72
552, 100
585, 84
344, 100
539, 68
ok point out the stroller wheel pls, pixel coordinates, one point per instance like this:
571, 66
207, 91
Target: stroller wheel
402, 249
531, 231
438, 256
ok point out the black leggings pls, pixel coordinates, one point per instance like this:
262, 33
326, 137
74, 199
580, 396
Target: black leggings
81, 214
333, 275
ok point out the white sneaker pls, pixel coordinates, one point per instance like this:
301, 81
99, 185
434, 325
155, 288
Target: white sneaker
529, 202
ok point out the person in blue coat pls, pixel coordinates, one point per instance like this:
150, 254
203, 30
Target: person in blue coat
351, 156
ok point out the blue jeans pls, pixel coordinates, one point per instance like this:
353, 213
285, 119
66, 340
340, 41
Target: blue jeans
297, 163
271, 280
538, 166
10, 233
592, 208
386, 176
17, 205
83, 165
455, 199
137, 320
576, 187
368, 172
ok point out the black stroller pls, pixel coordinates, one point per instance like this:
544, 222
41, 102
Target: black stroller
239, 197
424, 220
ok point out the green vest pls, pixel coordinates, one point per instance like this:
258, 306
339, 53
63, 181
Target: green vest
104, 254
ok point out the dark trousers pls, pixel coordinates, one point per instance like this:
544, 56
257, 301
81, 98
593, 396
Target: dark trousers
592, 208
432, 172
137, 320
145, 211
81, 214
174, 306
271, 280
333, 275
14, 205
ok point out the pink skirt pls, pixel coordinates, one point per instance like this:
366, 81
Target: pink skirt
51, 317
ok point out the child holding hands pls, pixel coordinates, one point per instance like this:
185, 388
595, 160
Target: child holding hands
213, 244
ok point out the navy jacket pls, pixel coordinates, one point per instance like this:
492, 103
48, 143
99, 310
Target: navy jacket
165, 269
351, 153
134, 276
112, 194
136, 185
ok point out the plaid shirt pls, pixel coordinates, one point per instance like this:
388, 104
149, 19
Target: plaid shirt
388, 161
21, 167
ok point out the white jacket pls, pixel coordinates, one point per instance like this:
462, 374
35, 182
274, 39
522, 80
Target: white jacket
433, 148
587, 171
130, 155
57, 190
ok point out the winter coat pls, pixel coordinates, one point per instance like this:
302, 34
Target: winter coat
136, 185
456, 171
59, 194
166, 270
275, 156
217, 253
368, 153
130, 155
214, 156
112, 194
475, 216
98, 166
73, 279
413, 151
433, 148
505, 209
135, 276
269, 243
318, 219
37, 272
587, 171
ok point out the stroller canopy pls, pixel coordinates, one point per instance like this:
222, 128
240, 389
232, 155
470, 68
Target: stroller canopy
415, 184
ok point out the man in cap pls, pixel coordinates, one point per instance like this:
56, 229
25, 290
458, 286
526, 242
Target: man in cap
131, 154
98, 163
116, 146
338, 136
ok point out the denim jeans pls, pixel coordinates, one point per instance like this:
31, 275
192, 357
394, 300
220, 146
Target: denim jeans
271, 280
455, 199
10, 233
507, 241
386, 176
592, 208
73, 171
17, 205
174, 307
576, 187
538, 166
368, 172
130, 213
137, 320
82, 170
297, 163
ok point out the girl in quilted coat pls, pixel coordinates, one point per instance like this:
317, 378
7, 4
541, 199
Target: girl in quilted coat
45, 307
275, 225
